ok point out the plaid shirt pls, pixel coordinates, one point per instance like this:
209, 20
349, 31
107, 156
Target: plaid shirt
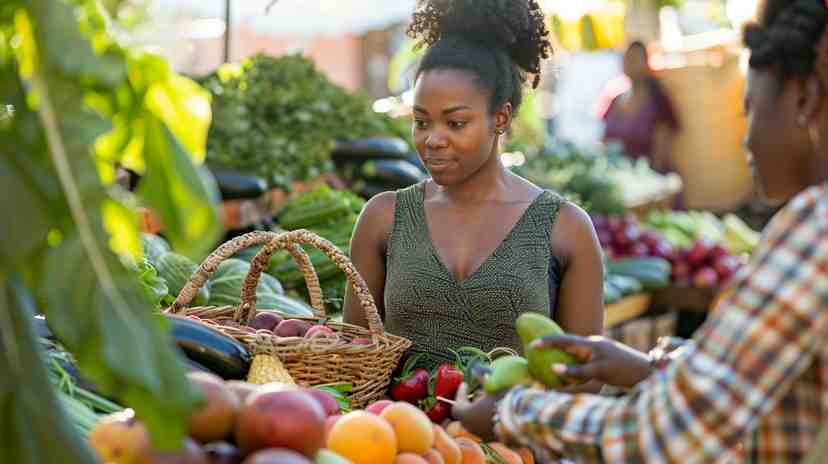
751, 386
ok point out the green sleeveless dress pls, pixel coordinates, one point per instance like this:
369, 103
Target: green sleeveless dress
425, 302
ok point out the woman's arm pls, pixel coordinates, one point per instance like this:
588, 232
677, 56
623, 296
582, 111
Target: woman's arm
580, 308
368, 246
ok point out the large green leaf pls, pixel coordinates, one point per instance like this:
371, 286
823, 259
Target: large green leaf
68, 82
34, 427
172, 179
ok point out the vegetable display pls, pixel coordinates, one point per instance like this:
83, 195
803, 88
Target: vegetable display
278, 118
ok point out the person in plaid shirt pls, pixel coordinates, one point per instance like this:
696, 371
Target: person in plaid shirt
752, 385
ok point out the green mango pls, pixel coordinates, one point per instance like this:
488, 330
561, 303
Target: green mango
325, 456
531, 326
507, 372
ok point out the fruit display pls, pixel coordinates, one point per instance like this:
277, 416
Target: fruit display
705, 265
276, 423
678, 244
623, 236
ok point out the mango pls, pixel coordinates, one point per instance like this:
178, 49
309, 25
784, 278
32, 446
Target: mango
507, 372
531, 326
535, 325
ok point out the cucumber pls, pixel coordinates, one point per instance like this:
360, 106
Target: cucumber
626, 285
611, 293
652, 273
210, 348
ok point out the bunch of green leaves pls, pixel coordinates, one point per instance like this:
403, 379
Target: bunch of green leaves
278, 118
81, 103
581, 176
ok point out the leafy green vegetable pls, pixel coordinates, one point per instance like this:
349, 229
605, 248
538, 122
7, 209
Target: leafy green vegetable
153, 287
279, 118
82, 103
580, 176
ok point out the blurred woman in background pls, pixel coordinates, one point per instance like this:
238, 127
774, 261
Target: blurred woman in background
642, 117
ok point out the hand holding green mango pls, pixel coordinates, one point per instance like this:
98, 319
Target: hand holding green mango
532, 326
509, 371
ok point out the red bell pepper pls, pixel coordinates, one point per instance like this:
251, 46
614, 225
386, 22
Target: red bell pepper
439, 412
447, 380
412, 385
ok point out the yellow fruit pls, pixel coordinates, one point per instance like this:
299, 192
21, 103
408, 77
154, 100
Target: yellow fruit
363, 438
412, 427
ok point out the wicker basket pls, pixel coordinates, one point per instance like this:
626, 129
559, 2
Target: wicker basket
313, 361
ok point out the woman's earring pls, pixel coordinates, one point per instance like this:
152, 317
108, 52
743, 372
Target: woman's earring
500, 131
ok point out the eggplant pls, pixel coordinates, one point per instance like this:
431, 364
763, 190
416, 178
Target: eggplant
234, 185
392, 173
370, 148
210, 348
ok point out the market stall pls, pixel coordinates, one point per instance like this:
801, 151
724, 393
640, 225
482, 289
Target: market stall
168, 311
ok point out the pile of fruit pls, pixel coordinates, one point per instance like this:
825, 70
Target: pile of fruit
286, 327
624, 236
705, 265
283, 424
433, 391
694, 259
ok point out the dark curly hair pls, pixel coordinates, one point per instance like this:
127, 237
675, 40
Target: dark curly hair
501, 42
786, 35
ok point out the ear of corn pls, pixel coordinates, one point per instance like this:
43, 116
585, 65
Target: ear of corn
266, 369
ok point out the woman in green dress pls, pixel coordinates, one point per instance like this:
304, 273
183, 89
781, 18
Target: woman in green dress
453, 261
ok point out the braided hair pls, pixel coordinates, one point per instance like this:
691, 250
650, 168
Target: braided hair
500, 42
786, 35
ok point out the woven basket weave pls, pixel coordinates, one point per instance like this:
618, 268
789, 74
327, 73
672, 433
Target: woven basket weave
314, 361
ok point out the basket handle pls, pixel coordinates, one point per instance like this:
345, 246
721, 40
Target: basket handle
211, 263
246, 311
292, 240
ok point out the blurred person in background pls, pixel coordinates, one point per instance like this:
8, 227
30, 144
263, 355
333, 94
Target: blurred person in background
752, 384
641, 117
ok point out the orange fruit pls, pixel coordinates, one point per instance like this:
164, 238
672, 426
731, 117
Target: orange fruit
507, 454
456, 430
447, 447
412, 427
363, 438
409, 458
472, 452
526, 455
434, 457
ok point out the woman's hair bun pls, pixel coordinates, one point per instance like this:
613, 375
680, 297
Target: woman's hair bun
516, 26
